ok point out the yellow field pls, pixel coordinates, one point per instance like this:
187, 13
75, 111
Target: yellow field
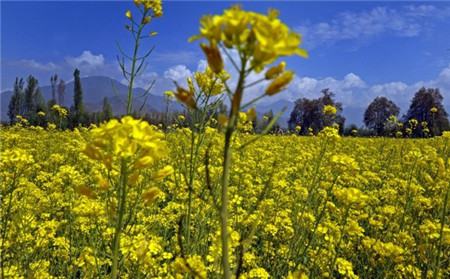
299, 207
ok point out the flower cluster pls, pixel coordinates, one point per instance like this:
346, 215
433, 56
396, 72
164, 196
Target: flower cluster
264, 38
348, 210
126, 139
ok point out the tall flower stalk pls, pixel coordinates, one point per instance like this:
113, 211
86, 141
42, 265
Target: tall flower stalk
259, 41
125, 148
147, 10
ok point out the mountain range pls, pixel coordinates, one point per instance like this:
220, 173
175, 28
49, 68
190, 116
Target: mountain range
95, 88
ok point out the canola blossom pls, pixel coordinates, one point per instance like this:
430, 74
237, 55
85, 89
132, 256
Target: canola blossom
263, 37
324, 206
128, 139
208, 198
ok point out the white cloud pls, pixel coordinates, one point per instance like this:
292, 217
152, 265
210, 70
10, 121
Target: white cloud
354, 92
178, 73
408, 21
87, 61
201, 66
33, 64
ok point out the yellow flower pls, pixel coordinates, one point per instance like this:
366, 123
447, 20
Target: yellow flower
211, 83
433, 110
169, 94
126, 139
128, 14
329, 110
262, 37
162, 173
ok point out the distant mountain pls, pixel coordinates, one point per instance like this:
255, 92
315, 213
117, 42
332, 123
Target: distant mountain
95, 89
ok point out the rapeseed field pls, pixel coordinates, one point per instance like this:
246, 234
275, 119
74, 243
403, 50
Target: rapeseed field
321, 206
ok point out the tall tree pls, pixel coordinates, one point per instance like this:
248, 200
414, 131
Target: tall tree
107, 110
53, 82
78, 106
310, 115
378, 112
39, 101
17, 102
30, 91
61, 92
426, 106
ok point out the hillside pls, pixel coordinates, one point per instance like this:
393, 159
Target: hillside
95, 89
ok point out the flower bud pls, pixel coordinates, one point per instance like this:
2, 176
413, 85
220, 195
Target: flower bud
186, 97
222, 119
275, 70
251, 114
143, 162
214, 58
162, 173
279, 83
146, 19
150, 195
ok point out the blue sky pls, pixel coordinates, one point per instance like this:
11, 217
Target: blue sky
358, 49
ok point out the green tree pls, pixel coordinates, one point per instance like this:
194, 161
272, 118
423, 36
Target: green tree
378, 113
30, 91
426, 107
78, 106
107, 113
53, 82
61, 92
309, 114
17, 102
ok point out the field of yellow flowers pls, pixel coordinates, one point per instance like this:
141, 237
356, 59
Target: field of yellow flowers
299, 207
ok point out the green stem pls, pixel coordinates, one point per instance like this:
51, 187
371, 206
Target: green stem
234, 114
224, 203
121, 197
437, 261
190, 189
5, 226
133, 68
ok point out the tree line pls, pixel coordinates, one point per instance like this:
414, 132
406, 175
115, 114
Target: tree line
28, 103
426, 116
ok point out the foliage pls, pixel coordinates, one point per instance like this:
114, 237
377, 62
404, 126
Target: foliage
107, 112
53, 82
426, 107
314, 115
378, 113
147, 10
17, 102
77, 116
259, 40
